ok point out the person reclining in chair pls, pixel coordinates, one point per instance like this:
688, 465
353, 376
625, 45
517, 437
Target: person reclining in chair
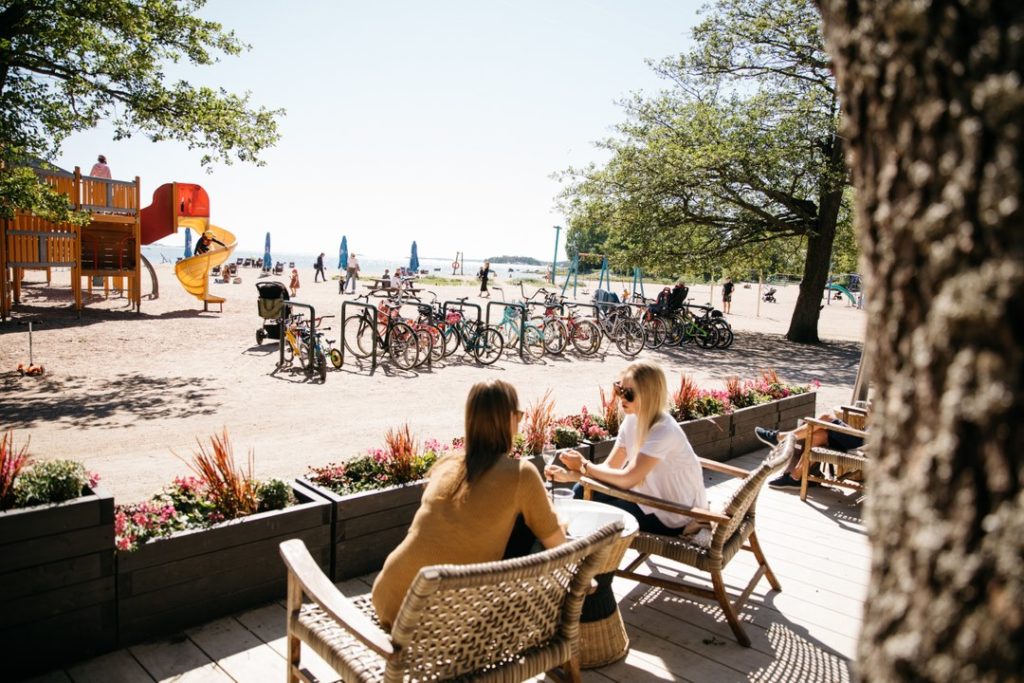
836, 441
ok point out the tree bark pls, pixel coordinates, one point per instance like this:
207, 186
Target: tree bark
803, 326
934, 112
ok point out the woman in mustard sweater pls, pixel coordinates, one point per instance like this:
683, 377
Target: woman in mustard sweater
472, 501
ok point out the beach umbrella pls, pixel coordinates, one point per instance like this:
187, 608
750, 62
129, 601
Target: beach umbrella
414, 259
267, 263
188, 242
343, 254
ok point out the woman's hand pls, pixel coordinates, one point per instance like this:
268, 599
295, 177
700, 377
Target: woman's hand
572, 459
560, 474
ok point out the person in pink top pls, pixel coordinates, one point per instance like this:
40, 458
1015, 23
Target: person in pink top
100, 168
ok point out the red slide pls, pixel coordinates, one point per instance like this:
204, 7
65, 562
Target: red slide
158, 220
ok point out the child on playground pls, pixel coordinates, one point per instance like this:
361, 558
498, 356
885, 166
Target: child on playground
294, 286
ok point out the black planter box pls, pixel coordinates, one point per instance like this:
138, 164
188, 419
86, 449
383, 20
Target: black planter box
367, 526
709, 436
57, 596
597, 451
194, 576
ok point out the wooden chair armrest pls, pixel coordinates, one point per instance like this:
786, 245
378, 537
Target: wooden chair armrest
715, 466
854, 409
699, 514
315, 584
832, 426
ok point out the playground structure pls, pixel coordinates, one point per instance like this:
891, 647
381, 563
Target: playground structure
108, 248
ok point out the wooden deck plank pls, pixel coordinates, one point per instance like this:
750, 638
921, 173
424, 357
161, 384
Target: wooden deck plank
268, 624
116, 667
177, 660
238, 651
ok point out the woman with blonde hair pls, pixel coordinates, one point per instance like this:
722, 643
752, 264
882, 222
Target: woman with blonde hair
472, 501
651, 455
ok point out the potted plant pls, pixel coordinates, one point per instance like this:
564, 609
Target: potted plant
206, 545
56, 563
765, 402
373, 499
594, 441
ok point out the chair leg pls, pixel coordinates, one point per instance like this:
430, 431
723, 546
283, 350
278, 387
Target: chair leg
572, 670
761, 560
294, 648
730, 613
294, 603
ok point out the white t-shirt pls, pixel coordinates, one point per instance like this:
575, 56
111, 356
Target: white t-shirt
677, 477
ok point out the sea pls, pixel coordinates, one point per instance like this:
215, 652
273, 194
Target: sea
369, 265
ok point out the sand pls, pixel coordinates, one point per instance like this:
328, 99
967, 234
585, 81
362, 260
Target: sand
128, 394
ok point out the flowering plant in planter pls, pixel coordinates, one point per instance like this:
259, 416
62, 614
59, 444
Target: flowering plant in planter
611, 412
690, 402
402, 461
565, 436
24, 483
589, 426
538, 423
221, 490
770, 385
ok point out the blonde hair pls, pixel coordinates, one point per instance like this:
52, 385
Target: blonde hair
651, 395
489, 430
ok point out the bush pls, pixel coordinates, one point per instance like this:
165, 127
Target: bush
274, 494
54, 481
566, 437
402, 462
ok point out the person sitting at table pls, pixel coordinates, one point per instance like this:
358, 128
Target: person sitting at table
651, 456
472, 501
385, 279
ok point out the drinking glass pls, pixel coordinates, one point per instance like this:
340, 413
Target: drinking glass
549, 453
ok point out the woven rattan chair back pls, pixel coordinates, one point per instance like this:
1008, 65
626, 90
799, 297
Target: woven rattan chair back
500, 620
740, 506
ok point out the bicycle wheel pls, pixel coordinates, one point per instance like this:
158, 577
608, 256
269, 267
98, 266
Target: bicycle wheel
707, 336
320, 365
437, 343
451, 338
555, 336
488, 345
357, 334
403, 346
630, 337
424, 346
289, 352
725, 334
674, 332
586, 337
336, 359
655, 333
533, 342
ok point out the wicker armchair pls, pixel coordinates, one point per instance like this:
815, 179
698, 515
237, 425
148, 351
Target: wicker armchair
731, 530
846, 466
495, 621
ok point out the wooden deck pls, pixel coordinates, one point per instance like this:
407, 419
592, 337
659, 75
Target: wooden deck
807, 632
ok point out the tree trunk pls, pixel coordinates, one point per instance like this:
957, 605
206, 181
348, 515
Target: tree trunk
934, 112
803, 326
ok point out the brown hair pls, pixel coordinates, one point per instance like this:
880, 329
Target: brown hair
489, 429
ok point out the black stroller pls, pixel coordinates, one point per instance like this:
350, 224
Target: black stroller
271, 308
769, 295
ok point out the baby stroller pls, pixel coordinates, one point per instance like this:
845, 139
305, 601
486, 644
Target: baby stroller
769, 295
271, 308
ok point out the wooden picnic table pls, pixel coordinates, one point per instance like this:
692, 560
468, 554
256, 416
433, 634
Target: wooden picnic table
379, 290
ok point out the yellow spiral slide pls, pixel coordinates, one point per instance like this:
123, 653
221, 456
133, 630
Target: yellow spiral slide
194, 272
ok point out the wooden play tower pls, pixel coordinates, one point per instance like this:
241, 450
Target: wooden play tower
107, 247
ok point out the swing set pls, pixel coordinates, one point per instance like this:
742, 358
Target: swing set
604, 280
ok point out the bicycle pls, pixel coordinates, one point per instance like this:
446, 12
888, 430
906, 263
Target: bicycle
386, 331
296, 343
511, 326
584, 334
616, 323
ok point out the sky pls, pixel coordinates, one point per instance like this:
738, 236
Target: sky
441, 122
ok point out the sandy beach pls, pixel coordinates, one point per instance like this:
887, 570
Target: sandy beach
127, 393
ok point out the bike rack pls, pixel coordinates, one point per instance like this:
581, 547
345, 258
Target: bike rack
522, 323
460, 304
312, 330
341, 336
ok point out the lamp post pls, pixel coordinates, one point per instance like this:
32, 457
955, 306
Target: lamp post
554, 259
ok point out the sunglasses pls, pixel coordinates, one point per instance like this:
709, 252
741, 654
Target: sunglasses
519, 414
625, 392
